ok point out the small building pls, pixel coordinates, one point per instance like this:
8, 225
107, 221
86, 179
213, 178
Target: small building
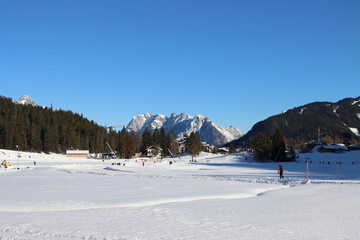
108, 155
209, 147
223, 150
333, 148
181, 145
104, 155
153, 151
354, 147
78, 153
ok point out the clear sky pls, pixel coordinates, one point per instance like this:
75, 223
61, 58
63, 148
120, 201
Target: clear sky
236, 62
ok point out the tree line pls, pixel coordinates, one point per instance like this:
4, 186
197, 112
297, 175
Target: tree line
41, 129
265, 148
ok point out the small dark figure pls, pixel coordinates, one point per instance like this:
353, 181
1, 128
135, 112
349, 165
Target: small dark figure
34, 163
281, 171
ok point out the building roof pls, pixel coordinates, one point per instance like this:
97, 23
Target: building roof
77, 151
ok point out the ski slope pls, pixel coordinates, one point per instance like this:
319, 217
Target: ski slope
216, 197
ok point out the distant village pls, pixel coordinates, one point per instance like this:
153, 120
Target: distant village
150, 152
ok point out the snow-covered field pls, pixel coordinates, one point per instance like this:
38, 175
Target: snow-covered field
216, 197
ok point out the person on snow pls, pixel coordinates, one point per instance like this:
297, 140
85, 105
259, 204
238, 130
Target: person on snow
281, 171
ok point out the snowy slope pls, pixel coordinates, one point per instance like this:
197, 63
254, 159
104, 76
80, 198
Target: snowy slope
185, 124
218, 197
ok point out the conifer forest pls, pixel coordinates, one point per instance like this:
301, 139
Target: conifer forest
42, 129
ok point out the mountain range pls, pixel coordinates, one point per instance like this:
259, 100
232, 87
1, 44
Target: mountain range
308, 122
185, 124
298, 125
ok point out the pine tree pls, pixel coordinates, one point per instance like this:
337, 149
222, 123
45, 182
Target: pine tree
232, 149
45, 140
278, 147
156, 137
193, 144
163, 143
173, 143
146, 140
131, 145
121, 151
261, 146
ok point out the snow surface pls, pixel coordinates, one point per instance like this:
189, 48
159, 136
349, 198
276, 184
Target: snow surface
302, 110
216, 197
355, 102
335, 111
355, 131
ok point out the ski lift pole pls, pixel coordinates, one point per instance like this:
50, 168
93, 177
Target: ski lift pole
172, 155
307, 171
18, 156
337, 170
277, 154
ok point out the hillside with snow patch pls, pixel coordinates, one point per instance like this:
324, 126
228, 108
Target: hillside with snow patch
302, 124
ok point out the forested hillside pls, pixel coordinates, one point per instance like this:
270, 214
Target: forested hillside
42, 129
326, 120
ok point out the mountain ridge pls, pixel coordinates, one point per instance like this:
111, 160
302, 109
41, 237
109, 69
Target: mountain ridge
185, 124
301, 124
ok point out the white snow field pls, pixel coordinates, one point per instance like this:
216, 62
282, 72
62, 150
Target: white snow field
216, 197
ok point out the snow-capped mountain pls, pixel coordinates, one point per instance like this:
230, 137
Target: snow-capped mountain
26, 100
185, 124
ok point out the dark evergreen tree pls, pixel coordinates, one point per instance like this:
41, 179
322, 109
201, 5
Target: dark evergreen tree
146, 140
163, 143
156, 137
194, 145
261, 146
278, 148
131, 147
137, 141
232, 149
121, 146
172, 143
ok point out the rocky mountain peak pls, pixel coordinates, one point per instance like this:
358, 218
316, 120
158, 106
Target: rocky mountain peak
26, 100
185, 124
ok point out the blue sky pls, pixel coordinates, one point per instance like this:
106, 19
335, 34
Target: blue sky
237, 62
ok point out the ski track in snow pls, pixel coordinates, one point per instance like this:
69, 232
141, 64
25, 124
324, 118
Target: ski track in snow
56, 207
289, 181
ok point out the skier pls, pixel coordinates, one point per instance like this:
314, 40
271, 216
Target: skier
281, 170
143, 163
